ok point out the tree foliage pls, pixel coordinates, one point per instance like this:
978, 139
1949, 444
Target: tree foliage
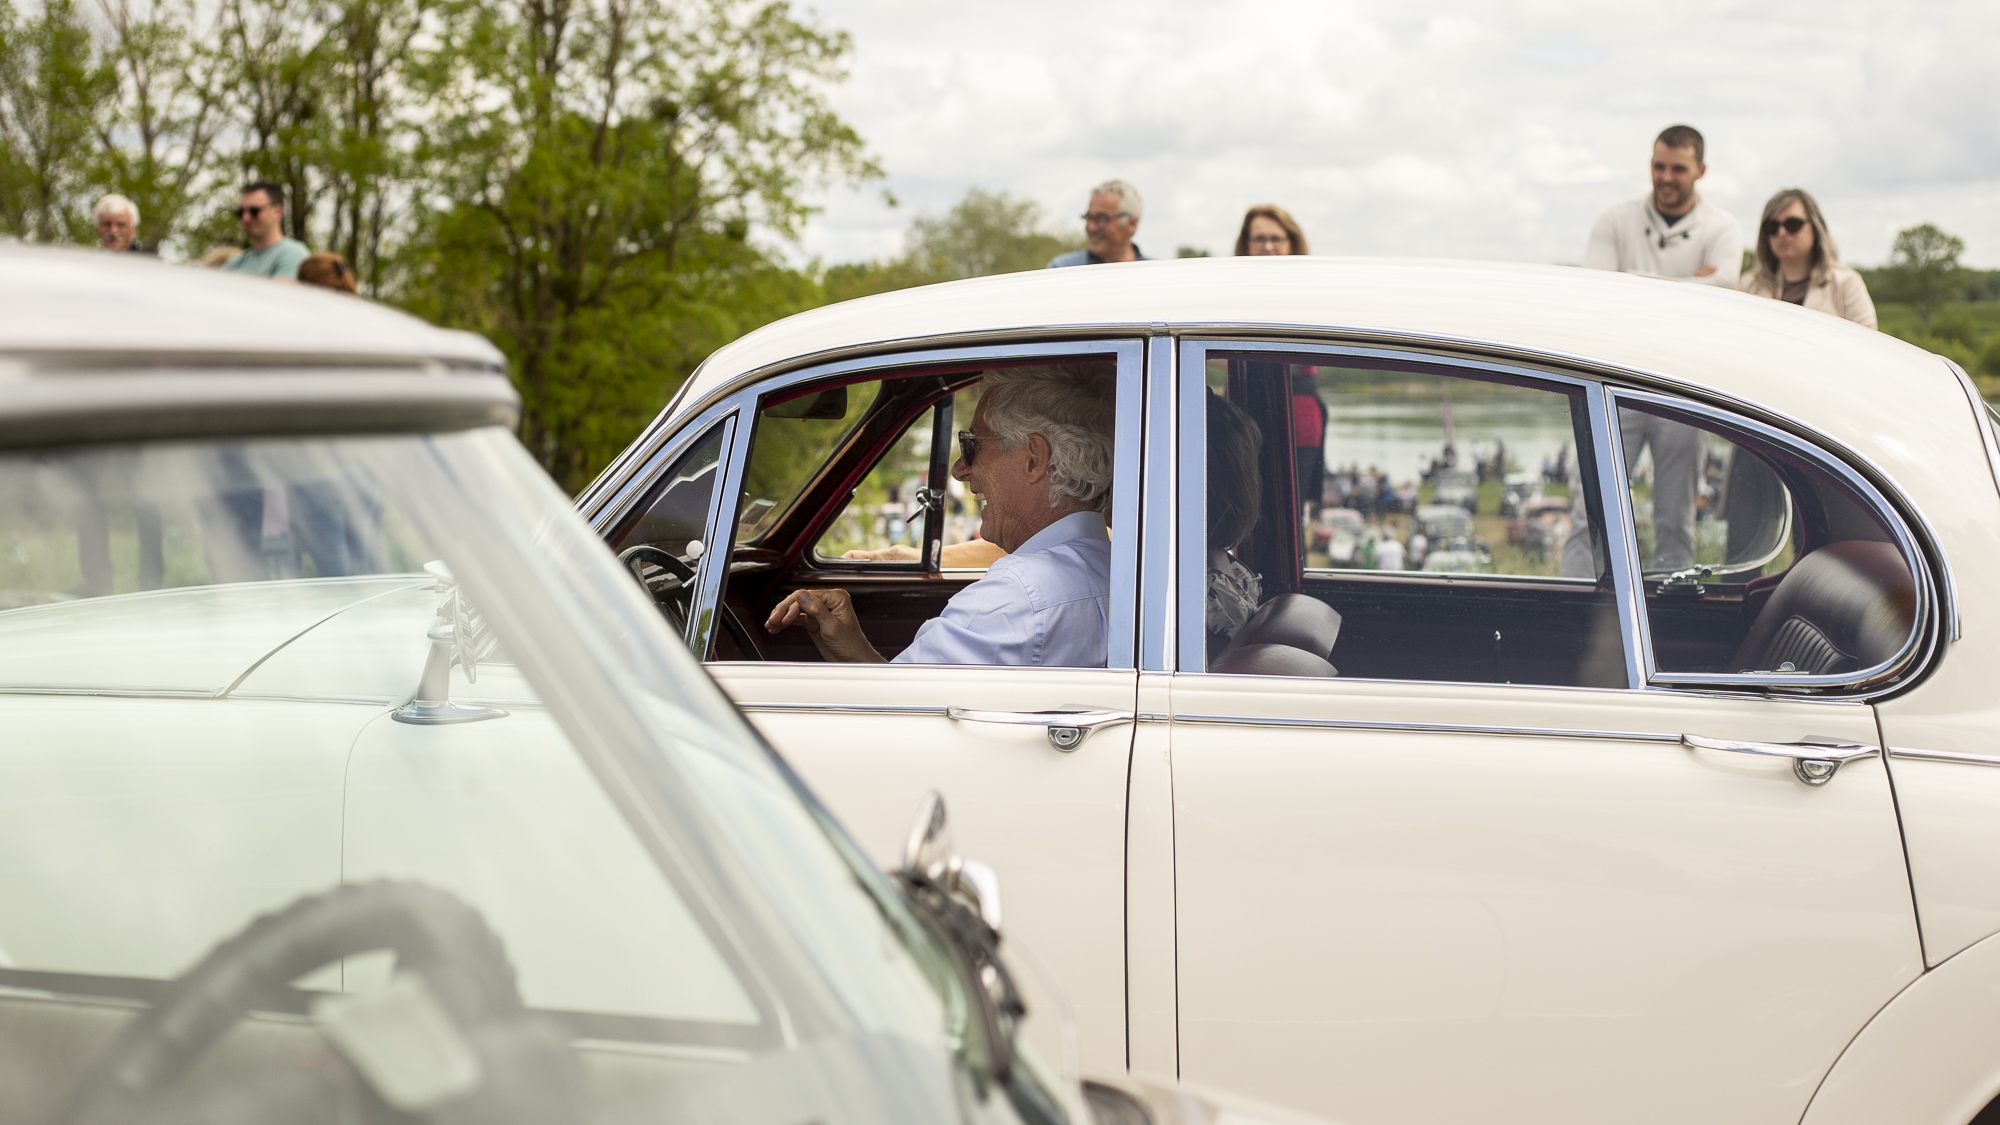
1923, 264
983, 233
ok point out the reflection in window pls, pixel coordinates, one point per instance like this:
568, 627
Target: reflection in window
1409, 524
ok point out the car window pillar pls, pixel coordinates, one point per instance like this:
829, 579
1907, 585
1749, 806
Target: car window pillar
1611, 506
714, 562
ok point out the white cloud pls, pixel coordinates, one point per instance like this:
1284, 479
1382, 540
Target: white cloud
1493, 129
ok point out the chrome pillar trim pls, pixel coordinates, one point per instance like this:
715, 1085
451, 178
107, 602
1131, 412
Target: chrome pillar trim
1430, 728
1191, 486
1127, 484
1922, 636
1621, 546
1916, 755
1814, 763
714, 564
1157, 511
839, 708
1066, 729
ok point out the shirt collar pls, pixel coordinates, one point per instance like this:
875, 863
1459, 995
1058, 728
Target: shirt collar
1076, 525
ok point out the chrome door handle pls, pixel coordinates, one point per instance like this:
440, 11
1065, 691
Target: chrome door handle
1067, 729
1815, 763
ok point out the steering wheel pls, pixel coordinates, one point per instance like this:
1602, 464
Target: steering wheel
673, 592
526, 1072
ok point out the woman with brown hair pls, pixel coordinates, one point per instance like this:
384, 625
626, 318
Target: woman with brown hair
1269, 229
1798, 262
328, 271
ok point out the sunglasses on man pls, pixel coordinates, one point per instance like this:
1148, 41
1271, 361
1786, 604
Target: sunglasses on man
249, 212
1791, 225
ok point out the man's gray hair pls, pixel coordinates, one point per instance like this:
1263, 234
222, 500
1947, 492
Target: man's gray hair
1073, 407
114, 204
1129, 202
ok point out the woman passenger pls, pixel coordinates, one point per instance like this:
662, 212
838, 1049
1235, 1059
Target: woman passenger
1234, 593
1797, 261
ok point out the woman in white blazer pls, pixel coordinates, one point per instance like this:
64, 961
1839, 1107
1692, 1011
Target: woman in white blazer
1798, 262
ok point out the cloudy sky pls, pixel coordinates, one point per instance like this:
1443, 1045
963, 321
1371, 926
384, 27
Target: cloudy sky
1466, 128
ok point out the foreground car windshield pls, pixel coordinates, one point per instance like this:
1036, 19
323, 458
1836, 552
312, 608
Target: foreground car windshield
351, 775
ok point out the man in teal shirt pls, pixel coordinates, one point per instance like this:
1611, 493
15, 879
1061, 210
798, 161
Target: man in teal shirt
262, 213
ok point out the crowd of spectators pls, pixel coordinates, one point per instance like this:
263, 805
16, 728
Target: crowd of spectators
268, 253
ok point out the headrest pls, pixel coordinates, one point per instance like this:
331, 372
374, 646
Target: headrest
1292, 619
1846, 606
1271, 660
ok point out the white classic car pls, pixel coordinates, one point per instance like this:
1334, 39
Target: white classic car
1693, 815
345, 777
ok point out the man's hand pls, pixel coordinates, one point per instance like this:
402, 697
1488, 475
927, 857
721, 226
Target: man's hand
828, 618
901, 552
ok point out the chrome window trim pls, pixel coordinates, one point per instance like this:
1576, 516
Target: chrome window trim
1159, 517
1882, 677
729, 483
841, 709
1621, 547
1128, 354
1916, 755
1194, 485
1189, 487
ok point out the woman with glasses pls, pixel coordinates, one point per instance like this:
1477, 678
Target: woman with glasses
1797, 261
1269, 229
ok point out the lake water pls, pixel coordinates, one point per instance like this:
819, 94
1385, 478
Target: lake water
1400, 434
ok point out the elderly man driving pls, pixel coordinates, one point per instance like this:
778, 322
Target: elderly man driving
1039, 456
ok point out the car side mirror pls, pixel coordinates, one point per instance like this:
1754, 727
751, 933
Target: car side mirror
928, 854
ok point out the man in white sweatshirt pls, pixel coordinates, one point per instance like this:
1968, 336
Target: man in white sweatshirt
1672, 232
1675, 234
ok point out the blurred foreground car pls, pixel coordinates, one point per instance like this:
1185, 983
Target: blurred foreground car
1596, 827
345, 777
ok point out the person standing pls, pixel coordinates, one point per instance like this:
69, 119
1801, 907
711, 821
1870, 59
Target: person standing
1269, 229
1670, 232
261, 210
117, 220
1108, 227
1798, 262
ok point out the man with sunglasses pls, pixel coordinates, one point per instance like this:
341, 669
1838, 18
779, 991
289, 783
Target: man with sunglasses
1671, 232
1039, 457
1108, 226
261, 210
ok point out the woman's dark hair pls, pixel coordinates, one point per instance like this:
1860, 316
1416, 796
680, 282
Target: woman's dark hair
1277, 215
1233, 481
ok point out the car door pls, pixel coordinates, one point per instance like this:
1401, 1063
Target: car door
1032, 761
1504, 864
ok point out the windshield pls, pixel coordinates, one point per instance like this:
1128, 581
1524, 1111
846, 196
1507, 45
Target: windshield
354, 773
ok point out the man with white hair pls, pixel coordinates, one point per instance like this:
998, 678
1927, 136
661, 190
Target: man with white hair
1039, 455
1108, 227
117, 221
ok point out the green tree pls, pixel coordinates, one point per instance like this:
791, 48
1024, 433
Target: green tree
1923, 263
983, 233
51, 85
164, 107
596, 168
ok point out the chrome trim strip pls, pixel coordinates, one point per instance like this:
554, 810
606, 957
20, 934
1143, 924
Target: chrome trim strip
1127, 486
1431, 728
1158, 518
1190, 558
1401, 355
1921, 636
721, 529
1621, 546
842, 708
1944, 756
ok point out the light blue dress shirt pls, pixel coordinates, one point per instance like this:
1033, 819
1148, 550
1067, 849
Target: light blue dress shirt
1045, 605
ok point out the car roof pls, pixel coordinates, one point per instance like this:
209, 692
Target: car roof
1686, 331
77, 303
98, 347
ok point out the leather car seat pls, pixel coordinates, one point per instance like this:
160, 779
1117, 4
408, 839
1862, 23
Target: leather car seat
1294, 621
1271, 660
1846, 606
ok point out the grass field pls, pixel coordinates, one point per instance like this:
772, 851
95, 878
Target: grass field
1966, 332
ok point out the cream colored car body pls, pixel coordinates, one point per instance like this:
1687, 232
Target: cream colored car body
1435, 902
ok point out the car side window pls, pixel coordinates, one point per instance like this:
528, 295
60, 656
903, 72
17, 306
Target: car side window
662, 542
885, 516
1757, 558
1396, 520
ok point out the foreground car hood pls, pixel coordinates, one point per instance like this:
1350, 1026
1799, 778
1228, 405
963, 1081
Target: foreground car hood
366, 637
